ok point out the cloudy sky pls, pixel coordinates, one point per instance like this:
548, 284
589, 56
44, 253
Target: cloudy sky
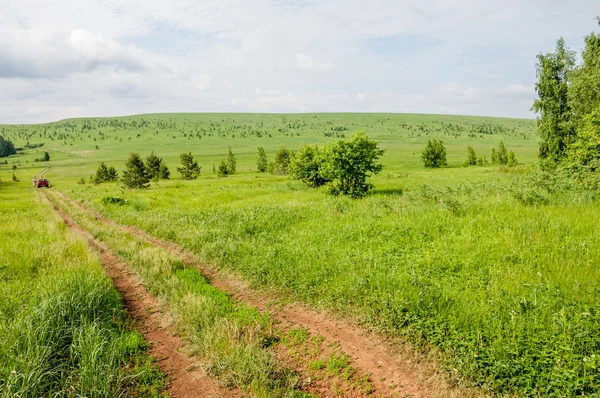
71, 58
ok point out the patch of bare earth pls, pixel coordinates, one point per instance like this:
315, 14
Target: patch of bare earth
186, 379
394, 368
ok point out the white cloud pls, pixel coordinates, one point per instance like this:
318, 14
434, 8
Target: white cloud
113, 57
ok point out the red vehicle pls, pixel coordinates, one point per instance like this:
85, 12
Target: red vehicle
42, 182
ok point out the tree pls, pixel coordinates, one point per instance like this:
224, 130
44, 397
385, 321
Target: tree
164, 171
112, 174
46, 157
6, 148
511, 159
434, 154
584, 90
101, 174
555, 121
190, 169
261, 162
585, 151
348, 164
222, 170
305, 165
135, 175
502, 156
471, 156
282, 161
231, 162
156, 167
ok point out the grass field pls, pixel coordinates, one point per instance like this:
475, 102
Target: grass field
453, 259
63, 327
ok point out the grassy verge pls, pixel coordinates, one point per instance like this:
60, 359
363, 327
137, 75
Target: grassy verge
233, 339
63, 328
507, 287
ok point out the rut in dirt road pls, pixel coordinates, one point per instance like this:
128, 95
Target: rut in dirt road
393, 372
144, 309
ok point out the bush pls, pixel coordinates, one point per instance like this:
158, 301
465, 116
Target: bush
45, 158
222, 170
14, 178
135, 175
190, 169
348, 164
434, 154
156, 168
502, 156
471, 157
282, 161
231, 162
305, 165
512, 160
114, 200
261, 162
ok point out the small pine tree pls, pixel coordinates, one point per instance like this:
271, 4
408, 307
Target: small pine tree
153, 164
101, 174
471, 157
164, 171
112, 174
261, 162
14, 178
434, 154
46, 157
135, 175
223, 169
512, 160
190, 169
494, 157
231, 162
502, 154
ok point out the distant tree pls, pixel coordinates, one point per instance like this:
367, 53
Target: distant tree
494, 156
45, 157
190, 169
156, 167
6, 148
555, 121
348, 164
511, 159
434, 154
501, 154
101, 174
14, 178
135, 175
164, 172
112, 174
231, 162
282, 161
261, 162
222, 170
305, 165
471, 156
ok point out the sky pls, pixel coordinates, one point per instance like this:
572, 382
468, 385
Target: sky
78, 58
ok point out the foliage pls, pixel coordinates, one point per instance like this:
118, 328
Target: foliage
555, 123
231, 162
305, 165
348, 164
471, 156
104, 174
6, 148
14, 178
189, 169
282, 161
113, 200
135, 175
157, 168
222, 170
501, 154
511, 159
261, 162
45, 157
434, 154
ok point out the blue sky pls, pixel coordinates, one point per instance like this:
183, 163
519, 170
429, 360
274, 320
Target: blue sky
61, 58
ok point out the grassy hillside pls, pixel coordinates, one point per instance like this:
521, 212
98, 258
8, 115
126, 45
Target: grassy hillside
497, 274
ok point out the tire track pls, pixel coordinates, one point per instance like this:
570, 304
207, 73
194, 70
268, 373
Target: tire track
145, 310
394, 371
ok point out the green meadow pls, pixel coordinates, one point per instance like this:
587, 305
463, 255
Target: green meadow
477, 263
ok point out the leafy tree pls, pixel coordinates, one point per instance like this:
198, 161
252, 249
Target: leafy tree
156, 167
261, 162
434, 154
6, 148
502, 155
584, 90
348, 164
282, 161
555, 121
190, 169
135, 175
494, 156
231, 162
471, 157
305, 165
585, 150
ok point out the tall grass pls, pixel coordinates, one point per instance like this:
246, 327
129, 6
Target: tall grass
507, 289
64, 332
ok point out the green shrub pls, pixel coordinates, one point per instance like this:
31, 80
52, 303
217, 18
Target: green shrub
305, 165
261, 162
282, 161
189, 169
434, 154
114, 200
471, 156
